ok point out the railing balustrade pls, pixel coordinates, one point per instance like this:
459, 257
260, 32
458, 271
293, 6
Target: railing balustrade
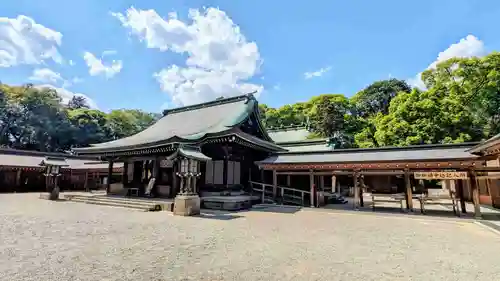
288, 194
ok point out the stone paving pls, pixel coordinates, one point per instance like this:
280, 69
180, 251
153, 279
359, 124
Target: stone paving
43, 240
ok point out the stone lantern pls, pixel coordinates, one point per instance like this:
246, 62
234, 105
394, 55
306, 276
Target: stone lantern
187, 202
52, 174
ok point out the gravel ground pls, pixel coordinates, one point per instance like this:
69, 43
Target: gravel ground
43, 240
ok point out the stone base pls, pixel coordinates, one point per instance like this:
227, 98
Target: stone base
187, 205
51, 195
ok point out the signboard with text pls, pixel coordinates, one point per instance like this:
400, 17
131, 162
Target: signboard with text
441, 175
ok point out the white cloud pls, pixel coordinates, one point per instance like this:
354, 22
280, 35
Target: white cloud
277, 87
467, 47
317, 73
66, 95
71, 62
220, 60
23, 41
97, 67
46, 75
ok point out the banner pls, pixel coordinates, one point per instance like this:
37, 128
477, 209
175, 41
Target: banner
441, 175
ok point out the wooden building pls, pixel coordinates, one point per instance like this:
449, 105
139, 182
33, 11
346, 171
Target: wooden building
489, 180
226, 135
235, 150
20, 171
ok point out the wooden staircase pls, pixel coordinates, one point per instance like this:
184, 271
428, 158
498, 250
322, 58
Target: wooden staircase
122, 202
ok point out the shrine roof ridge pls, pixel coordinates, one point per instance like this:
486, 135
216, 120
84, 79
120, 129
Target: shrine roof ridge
481, 146
287, 128
216, 102
13, 151
465, 145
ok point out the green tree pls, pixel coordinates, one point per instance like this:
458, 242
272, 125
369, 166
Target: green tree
425, 117
475, 82
331, 117
89, 127
377, 97
126, 122
77, 102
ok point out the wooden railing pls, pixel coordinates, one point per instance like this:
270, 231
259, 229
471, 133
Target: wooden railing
286, 194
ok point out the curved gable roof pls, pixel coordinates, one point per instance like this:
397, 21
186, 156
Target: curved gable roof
189, 123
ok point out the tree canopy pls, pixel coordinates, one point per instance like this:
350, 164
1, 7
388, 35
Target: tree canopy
35, 119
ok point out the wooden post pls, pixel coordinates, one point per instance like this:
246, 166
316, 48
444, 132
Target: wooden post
311, 184
356, 190
125, 173
288, 181
275, 184
110, 174
334, 184
18, 180
475, 194
459, 186
262, 179
409, 191
86, 182
322, 183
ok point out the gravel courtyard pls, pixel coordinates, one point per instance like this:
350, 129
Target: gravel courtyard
42, 240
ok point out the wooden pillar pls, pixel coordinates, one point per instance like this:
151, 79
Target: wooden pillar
312, 187
356, 190
475, 194
334, 184
86, 182
18, 180
409, 191
110, 174
275, 184
459, 186
288, 181
225, 172
322, 183
362, 185
125, 173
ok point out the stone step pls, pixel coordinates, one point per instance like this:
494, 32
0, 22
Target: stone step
113, 204
114, 199
121, 202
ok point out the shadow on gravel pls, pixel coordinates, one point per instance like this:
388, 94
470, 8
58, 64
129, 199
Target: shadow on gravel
218, 215
275, 209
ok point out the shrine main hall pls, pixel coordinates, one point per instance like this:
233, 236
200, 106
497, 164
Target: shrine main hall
221, 150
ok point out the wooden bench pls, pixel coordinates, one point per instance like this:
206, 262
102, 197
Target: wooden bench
438, 200
388, 198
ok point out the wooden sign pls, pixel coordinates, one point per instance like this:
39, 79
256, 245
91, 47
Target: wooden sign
441, 175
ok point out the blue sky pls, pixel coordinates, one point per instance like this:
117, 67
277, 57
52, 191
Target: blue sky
151, 54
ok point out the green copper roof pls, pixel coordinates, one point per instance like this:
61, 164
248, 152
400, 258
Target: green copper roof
186, 124
288, 134
307, 146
